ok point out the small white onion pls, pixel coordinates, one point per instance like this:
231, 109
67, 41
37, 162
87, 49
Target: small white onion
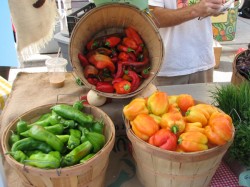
94, 99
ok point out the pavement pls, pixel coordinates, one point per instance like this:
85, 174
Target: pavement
222, 74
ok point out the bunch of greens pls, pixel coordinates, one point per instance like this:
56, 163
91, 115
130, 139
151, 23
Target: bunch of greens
235, 101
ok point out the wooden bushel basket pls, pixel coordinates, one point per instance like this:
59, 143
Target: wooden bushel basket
91, 174
237, 78
158, 167
113, 18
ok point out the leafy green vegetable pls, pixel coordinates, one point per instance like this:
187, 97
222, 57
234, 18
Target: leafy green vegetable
240, 149
235, 101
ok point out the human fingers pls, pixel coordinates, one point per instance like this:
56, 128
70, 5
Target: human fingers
209, 7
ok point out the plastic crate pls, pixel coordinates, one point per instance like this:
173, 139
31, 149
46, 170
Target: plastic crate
74, 17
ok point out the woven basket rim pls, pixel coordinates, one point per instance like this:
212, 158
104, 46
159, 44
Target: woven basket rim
54, 172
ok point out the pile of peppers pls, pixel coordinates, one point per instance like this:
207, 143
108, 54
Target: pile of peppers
177, 123
63, 137
116, 63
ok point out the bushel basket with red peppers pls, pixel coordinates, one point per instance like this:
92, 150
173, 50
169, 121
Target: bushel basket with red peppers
116, 63
114, 55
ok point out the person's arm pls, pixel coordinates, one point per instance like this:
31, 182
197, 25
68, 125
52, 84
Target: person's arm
171, 17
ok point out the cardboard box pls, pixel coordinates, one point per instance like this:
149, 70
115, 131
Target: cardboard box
217, 53
5, 88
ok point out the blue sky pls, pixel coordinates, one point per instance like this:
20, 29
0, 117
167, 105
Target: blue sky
8, 54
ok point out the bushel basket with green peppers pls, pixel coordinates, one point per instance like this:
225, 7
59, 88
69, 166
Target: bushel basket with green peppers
63, 137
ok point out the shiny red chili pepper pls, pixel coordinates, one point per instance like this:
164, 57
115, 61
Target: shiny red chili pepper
126, 77
132, 33
104, 51
123, 56
132, 56
122, 87
145, 72
90, 71
135, 79
136, 64
124, 48
112, 41
92, 44
84, 61
84, 100
114, 52
129, 42
92, 81
120, 70
105, 87
138, 50
114, 59
116, 80
101, 61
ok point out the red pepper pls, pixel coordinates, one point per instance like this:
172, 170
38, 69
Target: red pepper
164, 139
123, 56
114, 59
120, 70
102, 61
138, 50
132, 56
112, 41
126, 77
135, 79
132, 33
84, 61
84, 99
136, 64
114, 53
92, 44
122, 87
105, 87
90, 71
129, 42
145, 72
124, 48
104, 74
92, 81
104, 51
116, 80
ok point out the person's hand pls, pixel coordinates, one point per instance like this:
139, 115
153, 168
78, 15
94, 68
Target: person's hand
209, 7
